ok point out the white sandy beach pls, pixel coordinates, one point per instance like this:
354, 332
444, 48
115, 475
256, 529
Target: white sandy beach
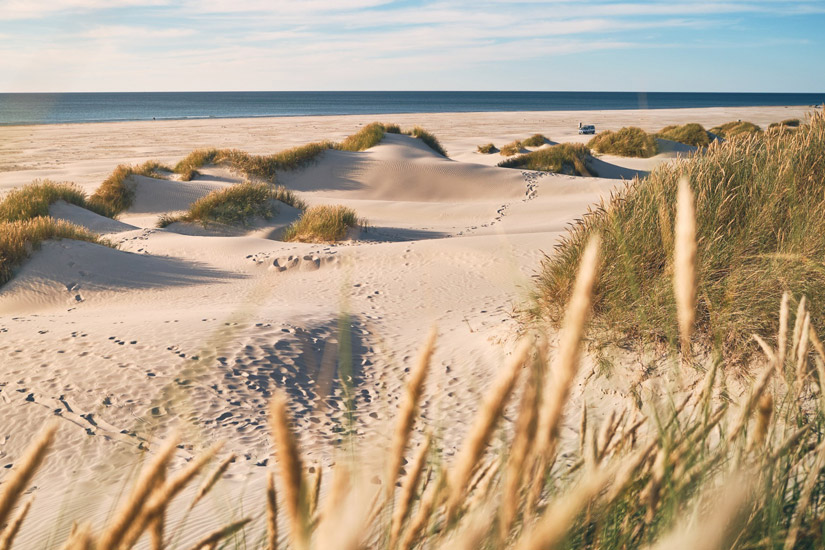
178, 327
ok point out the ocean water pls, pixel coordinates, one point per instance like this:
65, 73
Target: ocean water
108, 107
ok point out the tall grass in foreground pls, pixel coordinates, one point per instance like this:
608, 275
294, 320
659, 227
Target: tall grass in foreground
627, 142
695, 471
322, 224
760, 228
237, 205
689, 134
34, 199
563, 158
117, 192
18, 239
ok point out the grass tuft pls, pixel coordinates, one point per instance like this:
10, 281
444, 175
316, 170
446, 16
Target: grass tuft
33, 200
689, 134
18, 239
237, 205
760, 229
428, 138
369, 136
322, 224
564, 158
487, 149
536, 140
627, 142
257, 167
735, 129
117, 193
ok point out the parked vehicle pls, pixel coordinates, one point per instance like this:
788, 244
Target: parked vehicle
587, 129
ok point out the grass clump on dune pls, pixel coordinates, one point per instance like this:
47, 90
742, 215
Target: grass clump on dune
117, 193
627, 142
237, 205
536, 140
564, 158
322, 224
510, 149
761, 230
18, 239
487, 149
369, 136
736, 128
33, 200
515, 147
689, 134
259, 167
428, 138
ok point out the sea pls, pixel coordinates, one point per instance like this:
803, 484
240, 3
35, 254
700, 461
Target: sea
61, 108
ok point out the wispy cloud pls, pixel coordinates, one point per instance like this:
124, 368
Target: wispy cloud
336, 44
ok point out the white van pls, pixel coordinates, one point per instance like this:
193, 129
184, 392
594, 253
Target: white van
587, 129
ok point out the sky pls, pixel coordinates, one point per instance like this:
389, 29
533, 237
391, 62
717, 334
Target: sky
215, 45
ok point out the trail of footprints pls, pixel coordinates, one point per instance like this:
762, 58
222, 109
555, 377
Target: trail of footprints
311, 261
531, 179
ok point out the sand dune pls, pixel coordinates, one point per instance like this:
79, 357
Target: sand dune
197, 328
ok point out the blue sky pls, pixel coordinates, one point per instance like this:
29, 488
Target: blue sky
159, 45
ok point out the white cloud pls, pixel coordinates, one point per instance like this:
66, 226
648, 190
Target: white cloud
36, 9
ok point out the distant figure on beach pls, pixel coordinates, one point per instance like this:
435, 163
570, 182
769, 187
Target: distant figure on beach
580, 125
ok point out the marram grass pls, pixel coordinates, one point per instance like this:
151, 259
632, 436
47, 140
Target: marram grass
237, 205
565, 158
689, 134
34, 199
322, 224
627, 142
760, 225
117, 192
735, 129
18, 239
706, 470
487, 149
265, 167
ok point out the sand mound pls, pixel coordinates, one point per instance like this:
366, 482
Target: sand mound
153, 196
71, 272
258, 227
403, 168
96, 223
670, 148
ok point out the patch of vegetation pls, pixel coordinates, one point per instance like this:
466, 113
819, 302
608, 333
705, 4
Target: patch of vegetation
323, 224
563, 158
703, 468
19, 238
689, 134
34, 199
627, 142
487, 149
428, 138
536, 140
510, 149
237, 205
788, 123
257, 167
392, 128
369, 136
761, 230
736, 128
117, 193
